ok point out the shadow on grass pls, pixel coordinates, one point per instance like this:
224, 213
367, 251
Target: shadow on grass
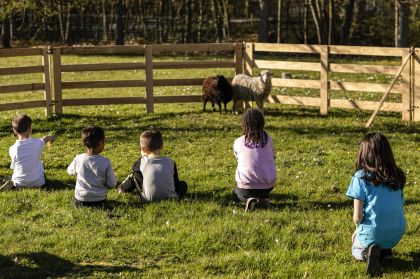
46, 265
403, 265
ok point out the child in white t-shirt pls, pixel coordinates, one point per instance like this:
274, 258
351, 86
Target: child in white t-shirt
94, 172
25, 154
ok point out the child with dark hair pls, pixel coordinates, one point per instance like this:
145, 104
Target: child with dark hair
256, 171
153, 177
94, 172
28, 170
378, 213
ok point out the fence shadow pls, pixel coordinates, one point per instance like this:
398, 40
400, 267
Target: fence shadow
46, 265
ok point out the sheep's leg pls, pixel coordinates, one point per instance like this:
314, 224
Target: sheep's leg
204, 105
219, 103
235, 106
225, 107
260, 105
212, 105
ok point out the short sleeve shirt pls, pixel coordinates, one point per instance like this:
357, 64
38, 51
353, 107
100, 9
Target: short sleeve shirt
383, 212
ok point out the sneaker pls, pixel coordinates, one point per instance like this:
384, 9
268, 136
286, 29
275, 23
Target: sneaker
386, 257
250, 204
7, 186
126, 185
373, 260
264, 203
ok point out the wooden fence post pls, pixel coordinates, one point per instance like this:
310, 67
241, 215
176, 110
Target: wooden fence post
405, 75
47, 80
416, 81
324, 80
58, 100
148, 54
249, 58
238, 57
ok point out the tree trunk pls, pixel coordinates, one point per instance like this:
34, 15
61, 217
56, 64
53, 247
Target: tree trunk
226, 31
279, 21
200, 20
403, 24
60, 22
263, 24
104, 29
66, 34
119, 40
6, 32
348, 19
305, 22
316, 21
188, 19
330, 20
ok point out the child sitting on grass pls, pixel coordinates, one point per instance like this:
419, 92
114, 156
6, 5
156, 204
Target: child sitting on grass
256, 171
94, 172
28, 170
378, 213
153, 176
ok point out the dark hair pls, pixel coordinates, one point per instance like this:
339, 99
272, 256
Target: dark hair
375, 157
21, 123
253, 128
151, 140
92, 136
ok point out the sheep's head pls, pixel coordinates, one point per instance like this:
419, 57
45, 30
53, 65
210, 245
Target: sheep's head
265, 75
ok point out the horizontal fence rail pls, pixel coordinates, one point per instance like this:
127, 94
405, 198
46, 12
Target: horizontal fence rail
243, 60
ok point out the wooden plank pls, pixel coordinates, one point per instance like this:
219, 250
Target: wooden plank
22, 105
388, 90
21, 70
364, 50
99, 50
148, 56
287, 65
297, 83
203, 64
21, 87
47, 81
296, 48
294, 100
102, 84
104, 101
363, 86
11, 52
159, 48
178, 99
102, 67
416, 81
324, 80
249, 59
238, 58
365, 69
58, 100
178, 82
364, 105
405, 82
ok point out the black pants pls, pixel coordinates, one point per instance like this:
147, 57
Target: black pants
134, 182
240, 194
5, 179
97, 204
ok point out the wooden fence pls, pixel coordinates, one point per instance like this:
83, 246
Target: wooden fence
45, 85
243, 59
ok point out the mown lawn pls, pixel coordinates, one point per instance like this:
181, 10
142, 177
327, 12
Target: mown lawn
306, 233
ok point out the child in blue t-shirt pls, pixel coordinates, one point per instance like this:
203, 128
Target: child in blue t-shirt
377, 190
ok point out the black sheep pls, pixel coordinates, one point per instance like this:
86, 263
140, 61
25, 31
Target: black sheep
216, 89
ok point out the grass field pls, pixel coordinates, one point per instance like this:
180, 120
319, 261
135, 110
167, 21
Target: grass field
306, 233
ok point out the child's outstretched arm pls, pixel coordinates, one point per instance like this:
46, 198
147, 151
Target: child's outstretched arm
49, 138
357, 215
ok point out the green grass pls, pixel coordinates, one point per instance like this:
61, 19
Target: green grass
306, 233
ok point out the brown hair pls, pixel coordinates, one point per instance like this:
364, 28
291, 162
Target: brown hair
151, 140
92, 136
253, 128
375, 157
21, 123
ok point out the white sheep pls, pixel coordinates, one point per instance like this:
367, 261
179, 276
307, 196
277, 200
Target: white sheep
246, 88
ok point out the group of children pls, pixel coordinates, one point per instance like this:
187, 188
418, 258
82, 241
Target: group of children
376, 186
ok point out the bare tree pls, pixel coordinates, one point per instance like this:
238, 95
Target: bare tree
403, 23
348, 19
263, 24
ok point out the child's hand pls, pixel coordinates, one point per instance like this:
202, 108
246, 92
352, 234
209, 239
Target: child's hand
353, 236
